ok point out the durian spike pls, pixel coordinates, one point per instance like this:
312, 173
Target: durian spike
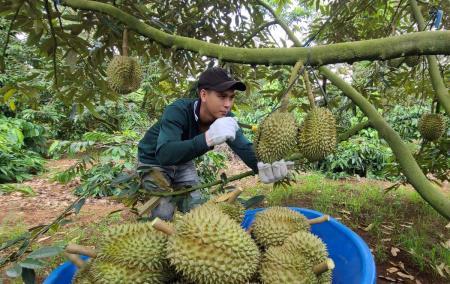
125, 42
234, 195
75, 259
73, 248
324, 266
319, 220
162, 226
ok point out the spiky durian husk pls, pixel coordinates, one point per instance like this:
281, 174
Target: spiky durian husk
124, 74
275, 137
272, 226
279, 266
235, 209
305, 245
317, 134
209, 247
432, 126
108, 273
135, 245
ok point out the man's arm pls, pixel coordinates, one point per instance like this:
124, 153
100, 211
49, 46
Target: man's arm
244, 149
170, 149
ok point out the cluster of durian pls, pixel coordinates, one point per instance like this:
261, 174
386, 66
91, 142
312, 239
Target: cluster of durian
124, 74
128, 253
275, 137
317, 134
432, 126
208, 245
291, 253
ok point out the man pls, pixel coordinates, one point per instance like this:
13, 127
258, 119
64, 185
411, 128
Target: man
188, 129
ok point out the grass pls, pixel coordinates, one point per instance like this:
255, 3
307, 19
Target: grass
398, 219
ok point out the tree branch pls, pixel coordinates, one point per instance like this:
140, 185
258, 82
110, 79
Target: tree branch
433, 67
352, 131
377, 49
55, 43
8, 34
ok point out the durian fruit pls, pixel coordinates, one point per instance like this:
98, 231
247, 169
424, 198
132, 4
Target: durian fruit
432, 126
228, 205
280, 265
108, 273
124, 74
272, 226
134, 245
317, 134
207, 246
305, 245
83, 275
275, 137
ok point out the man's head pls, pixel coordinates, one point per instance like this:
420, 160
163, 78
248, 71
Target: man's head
216, 91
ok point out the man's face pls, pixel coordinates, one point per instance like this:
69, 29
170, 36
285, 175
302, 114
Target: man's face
217, 103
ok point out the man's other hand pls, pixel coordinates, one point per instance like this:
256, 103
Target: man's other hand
269, 173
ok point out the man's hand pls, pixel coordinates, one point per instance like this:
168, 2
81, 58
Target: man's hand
221, 130
269, 173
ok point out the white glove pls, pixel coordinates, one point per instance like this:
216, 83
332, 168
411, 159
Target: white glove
221, 130
274, 172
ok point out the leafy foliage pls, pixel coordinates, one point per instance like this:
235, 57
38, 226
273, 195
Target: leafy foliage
209, 165
20, 142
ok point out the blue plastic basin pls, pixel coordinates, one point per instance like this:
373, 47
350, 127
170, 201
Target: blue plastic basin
353, 259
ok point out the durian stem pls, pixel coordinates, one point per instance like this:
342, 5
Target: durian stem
234, 195
324, 266
292, 79
319, 220
75, 259
73, 248
125, 42
311, 99
162, 226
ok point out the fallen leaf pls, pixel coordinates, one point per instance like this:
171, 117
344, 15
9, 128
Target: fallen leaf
386, 240
447, 226
387, 278
405, 226
390, 228
368, 228
394, 251
392, 269
43, 239
418, 281
345, 211
401, 274
446, 244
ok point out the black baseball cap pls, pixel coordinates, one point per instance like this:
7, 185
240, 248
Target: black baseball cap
217, 79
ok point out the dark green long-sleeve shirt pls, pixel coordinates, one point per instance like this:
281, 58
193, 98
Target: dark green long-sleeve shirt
176, 138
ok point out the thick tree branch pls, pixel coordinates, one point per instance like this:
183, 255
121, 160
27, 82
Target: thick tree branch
377, 49
433, 67
352, 131
8, 34
409, 166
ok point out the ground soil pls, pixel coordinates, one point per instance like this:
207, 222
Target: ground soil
52, 198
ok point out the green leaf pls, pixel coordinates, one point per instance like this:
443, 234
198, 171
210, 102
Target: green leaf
14, 271
255, 200
78, 205
9, 94
28, 276
45, 252
31, 263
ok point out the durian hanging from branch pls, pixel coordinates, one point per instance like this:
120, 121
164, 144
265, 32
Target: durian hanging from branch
317, 133
276, 134
124, 72
432, 126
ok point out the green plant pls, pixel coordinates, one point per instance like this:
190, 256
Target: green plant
10, 188
209, 165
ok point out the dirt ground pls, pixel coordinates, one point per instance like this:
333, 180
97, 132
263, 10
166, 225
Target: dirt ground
52, 198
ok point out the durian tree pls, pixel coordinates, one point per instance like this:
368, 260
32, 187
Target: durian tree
78, 38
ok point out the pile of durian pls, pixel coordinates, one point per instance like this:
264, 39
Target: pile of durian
208, 245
